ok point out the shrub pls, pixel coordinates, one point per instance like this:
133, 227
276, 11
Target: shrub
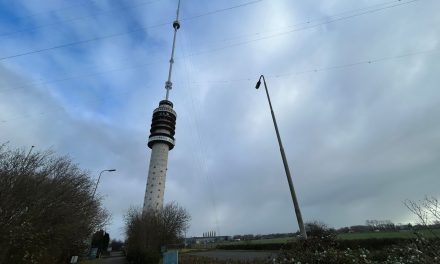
47, 210
146, 232
322, 247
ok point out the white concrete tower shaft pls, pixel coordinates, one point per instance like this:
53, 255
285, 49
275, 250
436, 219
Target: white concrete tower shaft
161, 139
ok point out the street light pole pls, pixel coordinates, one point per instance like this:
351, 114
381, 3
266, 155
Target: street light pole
27, 156
93, 196
29, 153
286, 165
96, 186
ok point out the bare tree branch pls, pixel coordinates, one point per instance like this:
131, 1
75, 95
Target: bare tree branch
47, 211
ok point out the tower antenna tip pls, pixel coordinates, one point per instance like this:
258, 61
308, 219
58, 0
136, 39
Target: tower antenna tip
176, 26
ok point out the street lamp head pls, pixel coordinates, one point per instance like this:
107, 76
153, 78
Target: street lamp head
96, 186
258, 84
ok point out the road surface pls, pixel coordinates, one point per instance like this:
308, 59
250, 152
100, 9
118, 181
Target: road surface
115, 258
235, 254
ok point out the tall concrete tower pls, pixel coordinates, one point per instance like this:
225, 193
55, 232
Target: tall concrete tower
161, 139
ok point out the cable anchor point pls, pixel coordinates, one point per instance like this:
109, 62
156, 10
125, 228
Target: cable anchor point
168, 85
176, 24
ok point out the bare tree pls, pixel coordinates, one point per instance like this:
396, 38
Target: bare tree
380, 224
116, 244
47, 211
147, 231
427, 210
428, 213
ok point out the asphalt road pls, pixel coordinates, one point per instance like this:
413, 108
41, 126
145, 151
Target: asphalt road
115, 258
235, 254
119, 258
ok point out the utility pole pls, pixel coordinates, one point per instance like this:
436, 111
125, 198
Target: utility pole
286, 165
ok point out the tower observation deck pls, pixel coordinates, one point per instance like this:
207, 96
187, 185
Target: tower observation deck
161, 140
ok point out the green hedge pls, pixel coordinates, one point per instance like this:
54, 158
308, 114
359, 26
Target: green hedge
276, 246
370, 244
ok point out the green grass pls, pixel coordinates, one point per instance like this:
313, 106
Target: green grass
264, 241
258, 241
400, 234
346, 236
367, 235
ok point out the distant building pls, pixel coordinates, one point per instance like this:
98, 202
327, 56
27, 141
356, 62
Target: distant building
206, 240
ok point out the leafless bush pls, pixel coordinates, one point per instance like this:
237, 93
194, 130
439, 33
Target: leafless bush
428, 213
146, 232
427, 210
47, 211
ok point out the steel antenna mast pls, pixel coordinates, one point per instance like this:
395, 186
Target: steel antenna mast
176, 26
161, 139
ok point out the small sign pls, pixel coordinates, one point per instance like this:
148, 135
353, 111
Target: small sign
163, 249
93, 253
74, 260
171, 257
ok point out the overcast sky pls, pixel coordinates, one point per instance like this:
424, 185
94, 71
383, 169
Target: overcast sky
354, 86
